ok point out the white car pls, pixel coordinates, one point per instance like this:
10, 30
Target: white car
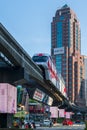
47, 122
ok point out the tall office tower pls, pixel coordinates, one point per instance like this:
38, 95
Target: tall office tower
66, 52
85, 68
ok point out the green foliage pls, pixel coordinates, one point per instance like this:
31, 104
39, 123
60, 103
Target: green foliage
60, 120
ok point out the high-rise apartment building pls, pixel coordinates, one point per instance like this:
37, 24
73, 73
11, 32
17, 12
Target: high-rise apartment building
66, 52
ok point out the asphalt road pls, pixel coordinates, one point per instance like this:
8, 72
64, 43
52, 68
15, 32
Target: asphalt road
74, 127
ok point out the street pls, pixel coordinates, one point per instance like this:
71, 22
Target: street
61, 127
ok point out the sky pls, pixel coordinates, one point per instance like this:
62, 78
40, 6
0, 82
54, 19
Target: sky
29, 22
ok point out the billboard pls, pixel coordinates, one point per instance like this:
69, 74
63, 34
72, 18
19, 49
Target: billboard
54, 112
50, 101
38, 95
58, 50
61, 112
68, 114
8, 98
42, 97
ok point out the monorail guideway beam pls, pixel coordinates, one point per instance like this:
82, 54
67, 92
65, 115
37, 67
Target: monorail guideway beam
17, 55
13, 76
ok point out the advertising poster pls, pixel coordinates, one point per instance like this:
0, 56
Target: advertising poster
3, 98
38, 95
11, 99
61, 113
8, 98
54, 112
68, 115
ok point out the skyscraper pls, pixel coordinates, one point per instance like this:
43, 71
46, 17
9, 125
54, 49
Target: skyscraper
66, 52
85, 68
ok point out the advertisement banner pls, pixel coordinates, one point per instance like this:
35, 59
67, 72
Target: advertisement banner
58, 50
8, 98
68, 115
3, 98
61, 113
54, 112
38, 95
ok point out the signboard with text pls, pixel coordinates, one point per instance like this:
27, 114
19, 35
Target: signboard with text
58, 50
38, 95
41, 96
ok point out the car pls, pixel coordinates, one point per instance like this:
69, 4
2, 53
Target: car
77, 121
37, 124
67, 122
47, 122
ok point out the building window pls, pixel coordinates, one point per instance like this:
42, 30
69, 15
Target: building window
59, 34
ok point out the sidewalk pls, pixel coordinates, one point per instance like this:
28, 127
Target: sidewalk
57, 124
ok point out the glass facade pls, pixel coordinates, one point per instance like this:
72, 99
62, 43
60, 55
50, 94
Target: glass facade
77, 38
69, 34
58, 63
59, 34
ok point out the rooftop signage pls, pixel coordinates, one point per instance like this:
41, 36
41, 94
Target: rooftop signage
58, 50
